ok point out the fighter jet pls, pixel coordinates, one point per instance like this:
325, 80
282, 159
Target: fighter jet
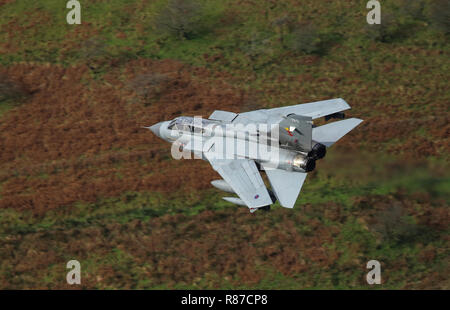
292, 145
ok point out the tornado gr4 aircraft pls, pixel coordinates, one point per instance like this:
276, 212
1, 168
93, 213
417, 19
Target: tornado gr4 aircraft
283, 142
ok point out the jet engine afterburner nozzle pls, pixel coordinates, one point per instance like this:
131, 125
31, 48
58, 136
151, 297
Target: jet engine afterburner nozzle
306, 164
318, 151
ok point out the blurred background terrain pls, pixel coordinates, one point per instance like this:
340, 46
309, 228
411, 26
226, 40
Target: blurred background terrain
80, 179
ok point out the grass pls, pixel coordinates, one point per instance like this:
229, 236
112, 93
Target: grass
325, 187
5, 106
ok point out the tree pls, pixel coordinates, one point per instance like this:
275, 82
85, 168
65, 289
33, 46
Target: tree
180, 18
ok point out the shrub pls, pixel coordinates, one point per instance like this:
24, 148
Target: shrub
440, 15
11, 90
413, 9
148, 85
306, 39
393, 225
93, 48
283, 25
387, 31
258, 45
95, 53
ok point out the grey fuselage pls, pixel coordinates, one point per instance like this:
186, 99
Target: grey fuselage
201, 141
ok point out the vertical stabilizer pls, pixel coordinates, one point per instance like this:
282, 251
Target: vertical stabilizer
296, 132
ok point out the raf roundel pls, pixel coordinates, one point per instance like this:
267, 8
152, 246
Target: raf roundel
257, 196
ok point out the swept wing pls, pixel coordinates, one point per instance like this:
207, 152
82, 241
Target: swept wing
244, 178
314, 110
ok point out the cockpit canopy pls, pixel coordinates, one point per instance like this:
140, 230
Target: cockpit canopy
190, 124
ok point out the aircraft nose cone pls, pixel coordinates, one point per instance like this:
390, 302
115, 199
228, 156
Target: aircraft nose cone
156, 129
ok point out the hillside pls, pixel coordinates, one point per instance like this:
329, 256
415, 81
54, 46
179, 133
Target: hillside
80, 178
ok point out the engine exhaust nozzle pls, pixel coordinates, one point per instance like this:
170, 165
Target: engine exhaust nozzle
306, 164
318, 151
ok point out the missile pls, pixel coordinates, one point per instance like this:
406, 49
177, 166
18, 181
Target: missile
235, 200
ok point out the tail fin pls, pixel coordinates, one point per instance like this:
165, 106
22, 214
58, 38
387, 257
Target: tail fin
330, 133
296, 132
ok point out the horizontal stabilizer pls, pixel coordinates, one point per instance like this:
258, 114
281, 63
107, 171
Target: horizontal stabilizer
330, 133
286, 185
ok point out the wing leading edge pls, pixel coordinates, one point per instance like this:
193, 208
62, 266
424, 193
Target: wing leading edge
313, 109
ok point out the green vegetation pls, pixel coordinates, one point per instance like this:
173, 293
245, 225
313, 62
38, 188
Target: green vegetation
144, 206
